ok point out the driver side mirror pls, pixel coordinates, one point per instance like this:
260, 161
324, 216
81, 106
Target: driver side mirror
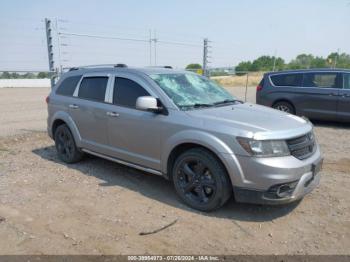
148, 103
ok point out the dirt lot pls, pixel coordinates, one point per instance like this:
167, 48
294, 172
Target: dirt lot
99, 207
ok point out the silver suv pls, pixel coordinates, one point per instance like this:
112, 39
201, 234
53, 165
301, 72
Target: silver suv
186, 128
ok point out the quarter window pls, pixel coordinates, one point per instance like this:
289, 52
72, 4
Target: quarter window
68, 85
321, 80
126, 92
347, 81
287, 79
93, 88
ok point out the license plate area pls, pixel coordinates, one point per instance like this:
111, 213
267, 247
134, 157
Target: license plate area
315, 168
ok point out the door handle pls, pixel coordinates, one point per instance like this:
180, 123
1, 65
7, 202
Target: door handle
112, 114
73, 106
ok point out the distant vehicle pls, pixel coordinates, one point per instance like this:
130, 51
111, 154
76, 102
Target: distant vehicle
322, 94
186, 128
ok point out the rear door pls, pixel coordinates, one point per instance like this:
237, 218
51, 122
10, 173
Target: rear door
88, 111
320, 95
344, 99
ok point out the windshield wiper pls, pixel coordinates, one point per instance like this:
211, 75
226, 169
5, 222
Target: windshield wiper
227, 101
197, 105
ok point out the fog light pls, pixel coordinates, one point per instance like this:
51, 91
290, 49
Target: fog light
282, 190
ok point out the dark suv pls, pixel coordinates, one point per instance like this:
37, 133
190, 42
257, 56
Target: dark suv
317, 94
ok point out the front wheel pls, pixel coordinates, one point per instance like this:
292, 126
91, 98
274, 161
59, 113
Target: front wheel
65, 145
201, 180
285, 107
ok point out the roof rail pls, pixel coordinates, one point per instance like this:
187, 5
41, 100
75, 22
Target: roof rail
95, 66
166, 66
120, 65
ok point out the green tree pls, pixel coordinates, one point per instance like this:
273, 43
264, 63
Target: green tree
29, 76
193, 67
43, 75
318, 62
301, 61
339, 60
6, 75
267, 63
15, 76
243, 67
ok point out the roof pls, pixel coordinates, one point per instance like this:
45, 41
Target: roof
135, 70
311, 70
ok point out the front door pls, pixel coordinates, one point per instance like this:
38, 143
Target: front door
344, 99
134, 135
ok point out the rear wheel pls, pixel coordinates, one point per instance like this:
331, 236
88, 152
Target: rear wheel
201, 180
285, 107
65, 145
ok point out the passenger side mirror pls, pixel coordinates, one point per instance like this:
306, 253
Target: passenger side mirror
148, 103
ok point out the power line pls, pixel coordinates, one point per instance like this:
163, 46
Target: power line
104, 37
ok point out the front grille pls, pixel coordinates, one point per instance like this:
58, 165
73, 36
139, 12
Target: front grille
302, 147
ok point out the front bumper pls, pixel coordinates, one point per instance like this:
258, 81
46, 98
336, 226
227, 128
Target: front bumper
303, 186
276, 180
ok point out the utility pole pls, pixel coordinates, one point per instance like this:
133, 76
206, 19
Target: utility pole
155, 47
274, 61
205, 57
50, 50
59, 48
336, 57
150, 47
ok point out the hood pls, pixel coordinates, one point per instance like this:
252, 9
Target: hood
255, 121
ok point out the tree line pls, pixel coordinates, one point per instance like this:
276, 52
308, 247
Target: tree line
302, 61
14, 75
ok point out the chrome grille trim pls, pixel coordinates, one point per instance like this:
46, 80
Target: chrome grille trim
302, 147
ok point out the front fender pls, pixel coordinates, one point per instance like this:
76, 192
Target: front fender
209, 141
61, 115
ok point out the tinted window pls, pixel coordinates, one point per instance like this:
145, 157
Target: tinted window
287, 79
93, 88
126, 92
68, 86
327, 80
347, 81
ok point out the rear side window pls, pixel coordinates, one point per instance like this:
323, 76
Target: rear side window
93, 88
68, 85
321, 80
347, 81
126, 92
287, 79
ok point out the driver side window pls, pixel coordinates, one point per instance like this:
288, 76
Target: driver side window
126, 91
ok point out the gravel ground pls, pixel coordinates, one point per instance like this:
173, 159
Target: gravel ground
99, 207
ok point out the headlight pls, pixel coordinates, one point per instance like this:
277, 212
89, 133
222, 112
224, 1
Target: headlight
264, 148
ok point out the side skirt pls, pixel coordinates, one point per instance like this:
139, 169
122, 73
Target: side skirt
145, 169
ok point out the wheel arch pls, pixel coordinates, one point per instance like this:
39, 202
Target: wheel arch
186, 140
63, 118
286, 100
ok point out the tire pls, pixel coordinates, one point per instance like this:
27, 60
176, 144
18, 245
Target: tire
65, 145
284, 107
201, 180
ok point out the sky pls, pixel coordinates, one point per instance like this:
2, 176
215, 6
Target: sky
237, 30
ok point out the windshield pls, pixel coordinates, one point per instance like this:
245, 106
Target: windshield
191, 90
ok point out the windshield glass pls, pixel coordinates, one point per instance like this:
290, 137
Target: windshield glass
191, 90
